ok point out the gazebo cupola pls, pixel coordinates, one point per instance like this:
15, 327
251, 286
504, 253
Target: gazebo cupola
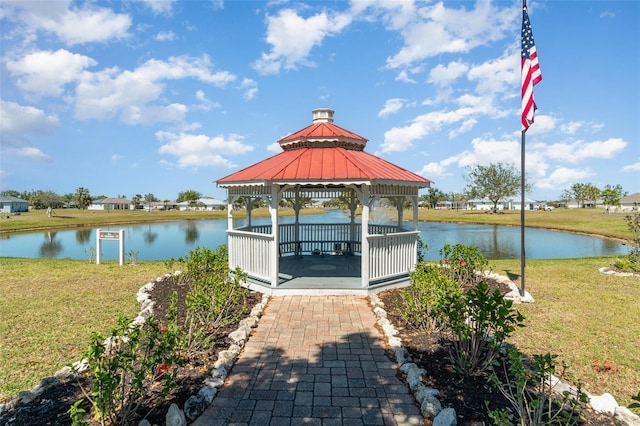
323, 161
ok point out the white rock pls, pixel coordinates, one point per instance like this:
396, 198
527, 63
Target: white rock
219, 372
604, 403
430, 407
175, 417
627, 417
207, 394
64, 373
446, 417
144, 422
402, 355
394, 342
238, 337
214, 382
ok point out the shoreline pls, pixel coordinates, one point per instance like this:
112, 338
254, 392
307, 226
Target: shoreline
161, 220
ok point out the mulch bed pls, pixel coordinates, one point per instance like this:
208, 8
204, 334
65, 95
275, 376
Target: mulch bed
469, 396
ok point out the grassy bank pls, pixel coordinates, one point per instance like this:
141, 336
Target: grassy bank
48, 309
74, 218
584, 317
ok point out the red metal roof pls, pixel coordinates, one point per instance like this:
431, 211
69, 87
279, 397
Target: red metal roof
321, 153
323, 164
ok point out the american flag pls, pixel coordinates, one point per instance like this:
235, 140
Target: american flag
530, 71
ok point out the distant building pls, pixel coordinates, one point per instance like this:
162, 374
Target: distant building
484, 204
9, 204
111, 204
630, 202
204, 203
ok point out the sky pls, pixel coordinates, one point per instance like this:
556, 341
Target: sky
156, 96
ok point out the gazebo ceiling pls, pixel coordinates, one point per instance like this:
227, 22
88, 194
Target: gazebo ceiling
323, 153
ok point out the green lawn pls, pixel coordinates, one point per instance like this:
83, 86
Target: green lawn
49, 307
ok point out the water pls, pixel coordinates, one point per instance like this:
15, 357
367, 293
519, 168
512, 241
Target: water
163, 240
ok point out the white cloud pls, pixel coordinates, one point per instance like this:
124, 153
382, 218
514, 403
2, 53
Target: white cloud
165, 36
45, 73
126, 93
579, 151
71, 24
160, 6
249, 87
292, 37
20, 122
391, 107
193, 151
436, 29
563, 176
635, 167
444, 75
274, 147
402, 138
29, 152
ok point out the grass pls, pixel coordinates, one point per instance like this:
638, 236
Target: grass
584, 317
50, 307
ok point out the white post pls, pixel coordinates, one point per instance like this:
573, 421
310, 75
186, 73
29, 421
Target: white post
364, 266
273, 210
121, 244
98, 247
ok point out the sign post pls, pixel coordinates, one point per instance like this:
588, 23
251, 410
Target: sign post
110, 235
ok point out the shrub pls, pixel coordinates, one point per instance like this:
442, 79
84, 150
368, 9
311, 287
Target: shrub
530, 391
127, 366
421, 303
215, 298
461, 263
481, 323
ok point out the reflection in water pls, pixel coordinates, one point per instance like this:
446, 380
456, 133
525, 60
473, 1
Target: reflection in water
191, 232
50, 248
83, 235
150, 236
174, 239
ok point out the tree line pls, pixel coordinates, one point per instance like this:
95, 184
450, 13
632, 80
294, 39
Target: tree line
498, 182
82, 198
495, 182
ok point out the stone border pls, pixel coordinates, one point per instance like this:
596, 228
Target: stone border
196, 404
605, 270
430, 406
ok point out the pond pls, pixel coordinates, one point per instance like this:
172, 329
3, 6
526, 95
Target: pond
163, 240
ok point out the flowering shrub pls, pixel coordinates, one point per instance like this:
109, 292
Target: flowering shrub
125, 367
460, 263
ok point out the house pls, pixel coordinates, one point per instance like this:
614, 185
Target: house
630, 202
529, 204
10, 204
484, 204
110, 204
204, 203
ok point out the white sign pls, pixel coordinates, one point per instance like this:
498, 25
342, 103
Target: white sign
109, 235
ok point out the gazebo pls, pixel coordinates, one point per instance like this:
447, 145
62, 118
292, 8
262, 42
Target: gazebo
347, 255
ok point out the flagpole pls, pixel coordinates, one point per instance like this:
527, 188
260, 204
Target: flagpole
522, 186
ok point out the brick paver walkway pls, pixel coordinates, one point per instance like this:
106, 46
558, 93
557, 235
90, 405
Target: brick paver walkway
313, 360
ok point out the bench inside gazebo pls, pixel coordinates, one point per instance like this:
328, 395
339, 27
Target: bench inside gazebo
351, 256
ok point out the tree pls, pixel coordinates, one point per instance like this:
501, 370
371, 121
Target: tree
190, 195
433, 197
495, 182
11, 193
581, 192
42, 199
82, 198
135, 200
611, 195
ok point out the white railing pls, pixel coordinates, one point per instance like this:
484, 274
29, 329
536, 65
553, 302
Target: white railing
251, 252
392, 255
